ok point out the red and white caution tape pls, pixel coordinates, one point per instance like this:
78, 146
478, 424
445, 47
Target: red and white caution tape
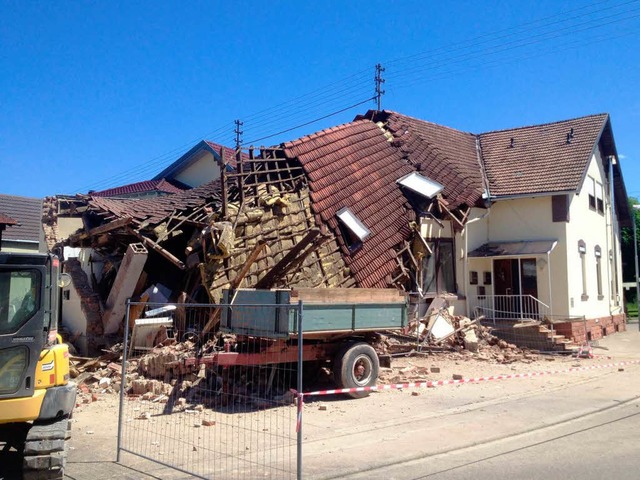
439, 383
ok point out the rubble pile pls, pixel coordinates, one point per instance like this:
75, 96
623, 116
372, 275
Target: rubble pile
157, 377
469, 339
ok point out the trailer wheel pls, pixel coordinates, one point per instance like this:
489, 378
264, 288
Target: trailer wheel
355, 366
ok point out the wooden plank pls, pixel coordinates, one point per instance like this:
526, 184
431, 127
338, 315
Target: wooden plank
214, 318
107, 227
154, 246
348, 295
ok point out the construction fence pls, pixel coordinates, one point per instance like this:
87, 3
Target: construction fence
215, 405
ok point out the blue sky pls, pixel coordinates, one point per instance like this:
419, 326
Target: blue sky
99, 94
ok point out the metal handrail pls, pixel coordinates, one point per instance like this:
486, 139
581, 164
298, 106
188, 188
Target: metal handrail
514, 307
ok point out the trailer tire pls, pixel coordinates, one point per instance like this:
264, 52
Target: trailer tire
356, 365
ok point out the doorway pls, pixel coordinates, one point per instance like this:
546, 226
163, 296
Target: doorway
516, 281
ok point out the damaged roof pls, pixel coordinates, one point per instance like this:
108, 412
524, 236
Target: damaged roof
156, 209
552, 157
355, 166
443, 154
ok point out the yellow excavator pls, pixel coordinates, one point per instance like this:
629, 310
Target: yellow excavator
36, 396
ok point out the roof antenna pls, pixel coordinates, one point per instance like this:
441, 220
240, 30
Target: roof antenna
570, 135
379, 81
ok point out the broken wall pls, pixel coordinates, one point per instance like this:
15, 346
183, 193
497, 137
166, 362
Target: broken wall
281, 227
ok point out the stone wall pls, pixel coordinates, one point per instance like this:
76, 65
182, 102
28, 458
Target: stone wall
592, 329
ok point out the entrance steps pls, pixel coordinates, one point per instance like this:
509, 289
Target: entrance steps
528, 333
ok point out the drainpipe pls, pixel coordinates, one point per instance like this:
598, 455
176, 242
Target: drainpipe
612, 160
466, 257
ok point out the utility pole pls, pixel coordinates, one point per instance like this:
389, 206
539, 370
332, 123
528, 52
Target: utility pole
379, 81
239, 166
238, 133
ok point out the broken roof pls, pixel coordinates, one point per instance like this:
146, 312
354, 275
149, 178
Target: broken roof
147, 186
440, 153
27, 212
354, 165
156, 209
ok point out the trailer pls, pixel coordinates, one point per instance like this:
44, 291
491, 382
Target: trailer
338, 330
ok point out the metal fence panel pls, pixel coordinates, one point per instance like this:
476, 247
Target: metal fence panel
222, 406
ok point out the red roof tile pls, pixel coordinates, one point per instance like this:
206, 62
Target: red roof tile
355, 166
448, 156
539, 159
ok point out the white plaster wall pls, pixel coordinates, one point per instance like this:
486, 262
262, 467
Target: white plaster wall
204, 169
594, 229
518, 220
474, 234
73, 318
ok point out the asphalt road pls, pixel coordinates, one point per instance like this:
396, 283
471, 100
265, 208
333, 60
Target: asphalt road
595, 446
578, 425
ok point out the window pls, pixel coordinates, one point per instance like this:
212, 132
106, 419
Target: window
19, 298
473, 278
420, 184
599, 198
487, 278
582, 250
598, 254
560, 208
438, 268
591, 185
354, 232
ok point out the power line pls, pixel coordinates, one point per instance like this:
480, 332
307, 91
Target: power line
346, 89
312, 121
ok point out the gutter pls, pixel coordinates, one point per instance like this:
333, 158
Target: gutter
533, 195
466, 257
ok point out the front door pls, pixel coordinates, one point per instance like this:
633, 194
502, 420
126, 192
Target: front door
515, 282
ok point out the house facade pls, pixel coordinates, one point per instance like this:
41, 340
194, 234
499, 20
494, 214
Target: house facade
517, 225
549, 245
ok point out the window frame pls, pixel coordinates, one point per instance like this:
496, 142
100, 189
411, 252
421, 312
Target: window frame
582, 250
437, 276
597, 251
592, 192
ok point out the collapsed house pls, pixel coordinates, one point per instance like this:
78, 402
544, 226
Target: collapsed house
511, 225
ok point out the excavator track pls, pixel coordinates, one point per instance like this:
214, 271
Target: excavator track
45, 449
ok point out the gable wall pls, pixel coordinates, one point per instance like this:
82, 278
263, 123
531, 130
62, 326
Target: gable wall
594, 229
202, 170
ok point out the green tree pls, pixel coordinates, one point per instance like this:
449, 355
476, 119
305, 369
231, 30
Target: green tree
628, 253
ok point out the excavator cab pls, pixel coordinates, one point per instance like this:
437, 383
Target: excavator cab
36, 396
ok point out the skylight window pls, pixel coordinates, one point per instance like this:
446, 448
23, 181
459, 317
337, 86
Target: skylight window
420, 184
353, 230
